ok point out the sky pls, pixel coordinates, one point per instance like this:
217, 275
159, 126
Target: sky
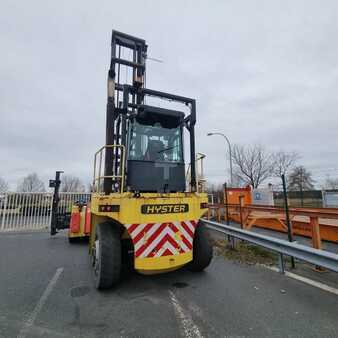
262, 72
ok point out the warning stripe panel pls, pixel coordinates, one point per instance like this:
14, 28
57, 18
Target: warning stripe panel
166, 239
187, 240
148, 241
140, 235
162, 239
187, 229
132, 227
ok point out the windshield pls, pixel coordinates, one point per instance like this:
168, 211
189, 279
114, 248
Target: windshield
155, 143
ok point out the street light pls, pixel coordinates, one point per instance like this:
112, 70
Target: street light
230, 154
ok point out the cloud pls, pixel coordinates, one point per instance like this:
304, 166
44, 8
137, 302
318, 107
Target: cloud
261, 72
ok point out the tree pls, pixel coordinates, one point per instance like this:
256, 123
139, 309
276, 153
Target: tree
3, 185
300, 179
283, 162
31, 183
71, 183
331, 183
252, 164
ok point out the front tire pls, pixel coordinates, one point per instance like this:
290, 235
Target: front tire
106, 255
202, 250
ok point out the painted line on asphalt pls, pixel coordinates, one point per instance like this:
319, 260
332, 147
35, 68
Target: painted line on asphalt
38, 307
305, 280
190, 329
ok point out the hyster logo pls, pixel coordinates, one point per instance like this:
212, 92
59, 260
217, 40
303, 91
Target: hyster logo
164, 208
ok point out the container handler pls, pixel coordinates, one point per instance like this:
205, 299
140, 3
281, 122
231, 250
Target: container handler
141, 204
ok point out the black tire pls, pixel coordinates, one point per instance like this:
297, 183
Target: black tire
107, 261
202, 250
81, 239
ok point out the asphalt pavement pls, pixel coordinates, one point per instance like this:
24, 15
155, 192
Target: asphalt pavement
46, 290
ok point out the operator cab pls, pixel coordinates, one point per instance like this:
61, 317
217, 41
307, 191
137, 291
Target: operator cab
155, 161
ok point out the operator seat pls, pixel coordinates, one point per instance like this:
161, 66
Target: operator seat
154, 151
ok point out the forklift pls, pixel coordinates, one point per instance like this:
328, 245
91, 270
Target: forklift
141, 206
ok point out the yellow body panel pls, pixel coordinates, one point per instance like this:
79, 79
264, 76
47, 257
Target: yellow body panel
130, 213
162, 264
130, 207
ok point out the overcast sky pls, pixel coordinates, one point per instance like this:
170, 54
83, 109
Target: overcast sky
262, 72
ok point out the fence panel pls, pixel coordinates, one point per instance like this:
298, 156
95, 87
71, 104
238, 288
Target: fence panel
262, 197
330, 199
21, 211
67, 199
25, 211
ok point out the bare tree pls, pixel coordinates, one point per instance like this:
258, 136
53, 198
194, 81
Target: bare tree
252, 164
31, 183
283, 162
3, 185
300, 179
71, 183
331, 183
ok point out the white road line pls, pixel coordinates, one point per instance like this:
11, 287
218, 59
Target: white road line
189, 328
306, 280
30, 320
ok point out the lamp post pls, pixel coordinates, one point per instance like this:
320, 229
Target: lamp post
230, 154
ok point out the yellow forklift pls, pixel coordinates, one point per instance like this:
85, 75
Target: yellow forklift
140, 204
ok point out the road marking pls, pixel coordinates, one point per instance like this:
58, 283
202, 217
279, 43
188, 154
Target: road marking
190, 329
306, 280
30, 321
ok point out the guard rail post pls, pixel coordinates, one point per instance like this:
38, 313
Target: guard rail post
281, 263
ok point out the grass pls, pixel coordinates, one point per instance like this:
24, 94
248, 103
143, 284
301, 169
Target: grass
245, 253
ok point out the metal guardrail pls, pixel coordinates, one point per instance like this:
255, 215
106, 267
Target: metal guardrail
293, 249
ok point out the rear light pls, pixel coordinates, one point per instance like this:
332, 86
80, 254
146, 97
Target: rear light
204, 205
109, 208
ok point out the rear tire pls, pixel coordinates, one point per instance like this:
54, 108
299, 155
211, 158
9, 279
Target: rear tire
106, 255
202, 250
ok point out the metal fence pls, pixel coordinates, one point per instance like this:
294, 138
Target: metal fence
318, 257
296, 199
32, 211
330, 199
67, 199
20, 211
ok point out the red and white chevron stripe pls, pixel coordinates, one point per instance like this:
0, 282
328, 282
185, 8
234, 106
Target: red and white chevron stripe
162, 239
